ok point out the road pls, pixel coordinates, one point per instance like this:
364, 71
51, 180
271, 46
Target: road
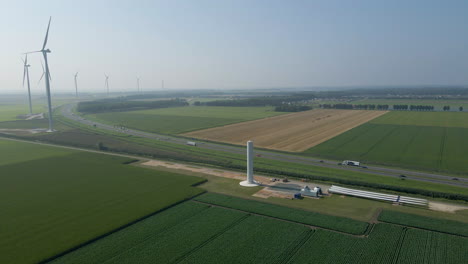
67, 111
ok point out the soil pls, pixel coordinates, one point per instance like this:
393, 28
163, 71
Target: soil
292, 132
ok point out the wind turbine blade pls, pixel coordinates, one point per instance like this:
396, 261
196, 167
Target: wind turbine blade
24, 74
40, 78
26, 61
32, 52
47, 35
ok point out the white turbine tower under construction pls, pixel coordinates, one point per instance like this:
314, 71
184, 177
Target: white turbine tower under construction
26, 76
44, 52
250, 182
76, 84
107, 83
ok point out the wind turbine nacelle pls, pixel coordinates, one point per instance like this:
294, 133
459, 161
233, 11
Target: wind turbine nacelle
47, 51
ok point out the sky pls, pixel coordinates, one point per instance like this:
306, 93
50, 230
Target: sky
239, 44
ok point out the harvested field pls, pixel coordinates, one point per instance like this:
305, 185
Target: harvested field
293, 132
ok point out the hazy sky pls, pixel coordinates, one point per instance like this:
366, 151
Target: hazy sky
236, 44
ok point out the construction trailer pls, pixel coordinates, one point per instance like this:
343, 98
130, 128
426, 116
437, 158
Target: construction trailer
306, 191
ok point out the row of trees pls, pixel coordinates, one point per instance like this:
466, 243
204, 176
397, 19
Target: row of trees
371, 107
357, 107
421, 108
380, 107
292, 108
100, 106
260, 101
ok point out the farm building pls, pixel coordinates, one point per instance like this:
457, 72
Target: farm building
306, 191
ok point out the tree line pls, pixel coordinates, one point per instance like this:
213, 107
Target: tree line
292, 108
260, 101
100, 106
379, 107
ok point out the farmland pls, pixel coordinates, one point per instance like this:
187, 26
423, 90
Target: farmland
197, 233
8, 112
385, 244
12, 106
293, 132
305, 217
433, 224
54, 199
176, 120
420, 140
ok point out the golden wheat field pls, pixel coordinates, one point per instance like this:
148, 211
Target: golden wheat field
292, 132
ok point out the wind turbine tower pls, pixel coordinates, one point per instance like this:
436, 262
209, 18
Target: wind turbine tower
76, 84
107, 83
138, 84
249, 182
44, 52
26, 75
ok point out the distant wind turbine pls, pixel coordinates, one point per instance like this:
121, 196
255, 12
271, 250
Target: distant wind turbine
162, 84
76, 84
107, 83
44, 52
26, 75
138, 83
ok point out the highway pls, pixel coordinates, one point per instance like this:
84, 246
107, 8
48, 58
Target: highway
67, 112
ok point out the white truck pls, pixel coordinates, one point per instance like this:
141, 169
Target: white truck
191, 143
351, 163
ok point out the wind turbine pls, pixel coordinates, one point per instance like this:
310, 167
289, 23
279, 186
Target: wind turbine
76, 84
26, 75
138, 83
44, 52
107, 83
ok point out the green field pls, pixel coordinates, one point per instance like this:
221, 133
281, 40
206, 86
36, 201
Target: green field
196, 233
53, 199
12, 106
305, 217
8, 112
177, 120
433, 224
420, 140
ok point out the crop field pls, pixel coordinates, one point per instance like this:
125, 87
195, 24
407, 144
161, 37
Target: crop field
293, 132
440, 225
196, 233
176, 120
54, 199
385, 244
405, 139
305, 217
